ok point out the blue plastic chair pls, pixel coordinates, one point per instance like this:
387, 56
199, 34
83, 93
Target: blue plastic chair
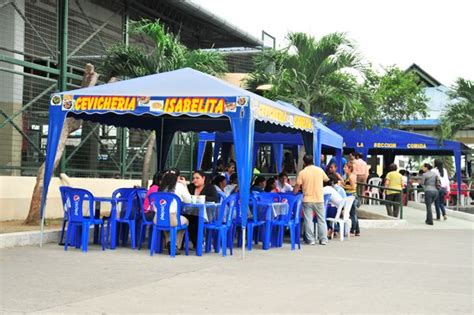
162, 202
222, 196
123, 213
255, 221
297, 219
222, 226
287, 220
269, 198
75, 198
144, 223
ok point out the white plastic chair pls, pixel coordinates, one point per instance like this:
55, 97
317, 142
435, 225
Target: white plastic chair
344, 208
374, 192
421, 197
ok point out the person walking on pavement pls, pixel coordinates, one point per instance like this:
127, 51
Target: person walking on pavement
445, 189
310, 180
428, 181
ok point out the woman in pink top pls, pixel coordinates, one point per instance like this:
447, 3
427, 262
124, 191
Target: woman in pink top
155, 185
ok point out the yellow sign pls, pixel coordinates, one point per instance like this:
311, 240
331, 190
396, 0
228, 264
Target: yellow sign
119, 103
384, 145
283, 117
416, 146
195, 105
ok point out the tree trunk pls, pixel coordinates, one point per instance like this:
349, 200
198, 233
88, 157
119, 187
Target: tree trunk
147, 159
301, 154
70, 125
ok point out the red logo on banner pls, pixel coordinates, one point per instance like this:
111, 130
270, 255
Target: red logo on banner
75, 198
162, 202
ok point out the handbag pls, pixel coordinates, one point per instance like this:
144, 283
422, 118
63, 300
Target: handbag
438, 183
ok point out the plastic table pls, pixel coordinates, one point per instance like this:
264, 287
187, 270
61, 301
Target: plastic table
205, 212
113, 227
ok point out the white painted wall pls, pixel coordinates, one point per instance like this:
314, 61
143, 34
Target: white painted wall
15, 194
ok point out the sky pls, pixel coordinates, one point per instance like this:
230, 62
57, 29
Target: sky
437, 35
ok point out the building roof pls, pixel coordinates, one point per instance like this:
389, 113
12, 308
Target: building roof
197, 26
425, 77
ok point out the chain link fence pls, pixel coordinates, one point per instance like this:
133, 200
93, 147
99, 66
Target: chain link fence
29, 74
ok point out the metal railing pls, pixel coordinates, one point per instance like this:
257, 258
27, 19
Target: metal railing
383, 201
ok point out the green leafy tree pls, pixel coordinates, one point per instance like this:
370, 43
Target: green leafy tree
395, 96
328, 77
460, 113
314, 74
168, 53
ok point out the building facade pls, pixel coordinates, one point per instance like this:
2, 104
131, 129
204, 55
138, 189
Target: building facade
37, 34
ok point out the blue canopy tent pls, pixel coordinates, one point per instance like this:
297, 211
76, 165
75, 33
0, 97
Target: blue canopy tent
181, 100
326, 138
391, 142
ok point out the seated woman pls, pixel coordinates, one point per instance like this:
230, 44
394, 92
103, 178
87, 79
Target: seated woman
220, 183
259, 184
155, 184
233, 185
199, 187
332, 169
329, 188
350, 186
173, 183
271, 186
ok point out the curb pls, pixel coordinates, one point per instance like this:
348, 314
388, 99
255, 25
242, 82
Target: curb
382, 224
8, 240
449, 212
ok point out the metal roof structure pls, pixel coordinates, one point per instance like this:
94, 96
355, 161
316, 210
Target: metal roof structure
197, 26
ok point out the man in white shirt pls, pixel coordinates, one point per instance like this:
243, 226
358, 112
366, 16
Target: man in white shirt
282, 183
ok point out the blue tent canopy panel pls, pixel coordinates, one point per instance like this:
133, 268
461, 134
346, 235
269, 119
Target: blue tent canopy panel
181, 100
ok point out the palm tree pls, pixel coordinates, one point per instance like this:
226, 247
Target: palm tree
316, 75
460, 113
168, 54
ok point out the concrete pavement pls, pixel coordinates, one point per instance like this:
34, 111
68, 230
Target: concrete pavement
383, 271
416, 217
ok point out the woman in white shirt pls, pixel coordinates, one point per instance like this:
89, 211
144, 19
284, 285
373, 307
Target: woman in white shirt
173, 183
445, 189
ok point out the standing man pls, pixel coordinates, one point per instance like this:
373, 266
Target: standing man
361, 170
310, 180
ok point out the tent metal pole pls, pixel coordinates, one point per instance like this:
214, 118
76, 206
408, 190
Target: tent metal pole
63, 36
243, 242
162, 163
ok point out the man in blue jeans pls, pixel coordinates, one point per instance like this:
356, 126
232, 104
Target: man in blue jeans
310, 180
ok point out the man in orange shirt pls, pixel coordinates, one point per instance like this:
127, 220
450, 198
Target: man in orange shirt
310, 180
361, 170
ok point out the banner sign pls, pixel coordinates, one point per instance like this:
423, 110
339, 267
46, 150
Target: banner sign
384, 145
416, 145
269, 113
214, 106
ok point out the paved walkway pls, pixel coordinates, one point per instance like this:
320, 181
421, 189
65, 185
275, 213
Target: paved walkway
383, 271
416, 219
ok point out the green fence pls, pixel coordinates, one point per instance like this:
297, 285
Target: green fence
30, 58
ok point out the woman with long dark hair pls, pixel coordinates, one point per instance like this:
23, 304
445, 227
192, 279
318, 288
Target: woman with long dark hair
173, 183
271, 186
444, 189
149, 214
350, 186
200, 187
